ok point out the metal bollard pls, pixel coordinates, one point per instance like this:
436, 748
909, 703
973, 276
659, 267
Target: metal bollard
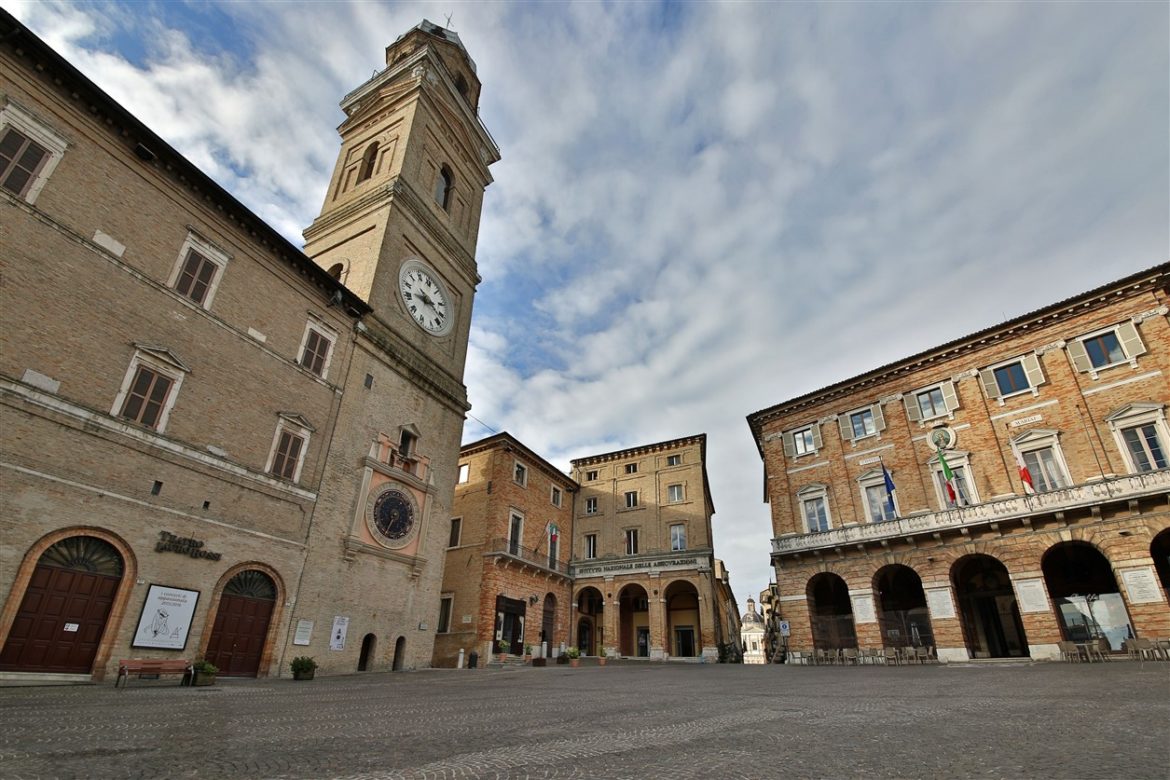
459, 663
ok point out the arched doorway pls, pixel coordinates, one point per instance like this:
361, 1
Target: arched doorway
241, 624
1160, 552
902, 611
65, 607
590, 611
1085, 594
548, 619
634, 622
399, 654
988, 610
831, 612
366, 659
684, 630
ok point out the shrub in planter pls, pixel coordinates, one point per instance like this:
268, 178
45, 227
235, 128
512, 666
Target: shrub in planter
303, 667
574, 656
203, 672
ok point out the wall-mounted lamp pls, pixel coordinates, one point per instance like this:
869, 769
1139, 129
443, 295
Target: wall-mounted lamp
533, 599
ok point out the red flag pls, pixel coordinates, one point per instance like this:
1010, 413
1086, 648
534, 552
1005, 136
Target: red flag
1025, 476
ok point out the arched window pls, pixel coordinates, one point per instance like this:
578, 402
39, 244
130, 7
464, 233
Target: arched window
336, 270
461, 85
368, 160
444, 187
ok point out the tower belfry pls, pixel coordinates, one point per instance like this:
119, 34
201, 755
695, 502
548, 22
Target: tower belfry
401, 215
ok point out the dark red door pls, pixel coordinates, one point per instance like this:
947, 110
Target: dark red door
237, 638
60, 622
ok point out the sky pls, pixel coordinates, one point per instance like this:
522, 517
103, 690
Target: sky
703, 209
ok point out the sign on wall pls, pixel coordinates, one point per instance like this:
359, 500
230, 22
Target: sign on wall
940, 603
1141, 585
304, 632
863, 611
166, 618
1031, 596
337, 633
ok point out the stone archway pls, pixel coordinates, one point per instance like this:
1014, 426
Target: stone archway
399, 662
590, 614
369, 647
988, 612
548, 620
902, 612
239, 635
65, 609
830, 612
1085, 595
633, 622
1160, 552
684, 629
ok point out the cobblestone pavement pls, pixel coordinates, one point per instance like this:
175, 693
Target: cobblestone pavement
622, 721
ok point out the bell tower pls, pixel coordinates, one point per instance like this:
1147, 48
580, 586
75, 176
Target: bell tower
401, 217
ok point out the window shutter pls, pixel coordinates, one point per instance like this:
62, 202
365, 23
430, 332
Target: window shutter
913, 412
950, 395
818, 443
987, 376
1080, 358
789, 447
1033, 370
1131, 342
879, 419
846, 428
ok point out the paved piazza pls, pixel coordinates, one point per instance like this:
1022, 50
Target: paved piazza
623, 721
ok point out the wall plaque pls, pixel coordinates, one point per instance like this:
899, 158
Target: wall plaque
940, 603
1141, 585
304, 632
863, 611
1031, 596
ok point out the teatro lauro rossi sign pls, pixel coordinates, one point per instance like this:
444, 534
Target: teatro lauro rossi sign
184, 545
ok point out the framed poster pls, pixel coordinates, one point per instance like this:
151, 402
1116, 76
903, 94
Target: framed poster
166, 618
337, 635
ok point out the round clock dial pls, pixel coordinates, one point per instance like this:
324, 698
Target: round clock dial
393, 514
425, 298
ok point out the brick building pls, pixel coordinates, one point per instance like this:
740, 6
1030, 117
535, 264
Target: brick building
643, 560
506, 575
214, 444
965, 556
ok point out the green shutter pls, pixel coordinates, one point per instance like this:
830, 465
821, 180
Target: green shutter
1131, 342
1080, 358
1033, 370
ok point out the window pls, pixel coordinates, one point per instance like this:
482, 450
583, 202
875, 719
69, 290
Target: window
674, 493
456, 532
1012, 377
962, 488
464, 473
1039, 451
317, 350
444, 186
1142, 435
198, 270
590, 476
29, 151
556, 496
631, 468
931, 402
814, 507
445, 605
520, 474
552, 547
1103, 349
515, 534
674, 460
861, 423
678, 537
631, 499
877, 504
591, 506
369, 161
288, 447
150, 387
590, 545
802, 441
631, 541
407, 441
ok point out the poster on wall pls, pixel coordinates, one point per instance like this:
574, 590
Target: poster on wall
337, 635
166, 618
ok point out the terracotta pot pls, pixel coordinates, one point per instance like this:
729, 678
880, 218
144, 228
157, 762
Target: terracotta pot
601, 661
304, 675
574, 662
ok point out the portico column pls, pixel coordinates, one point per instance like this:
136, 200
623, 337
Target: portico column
707, 618
612, 614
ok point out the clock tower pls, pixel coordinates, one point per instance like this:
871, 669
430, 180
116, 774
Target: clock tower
401, 216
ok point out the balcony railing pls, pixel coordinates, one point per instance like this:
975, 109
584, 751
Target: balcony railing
1121, 488
533, 555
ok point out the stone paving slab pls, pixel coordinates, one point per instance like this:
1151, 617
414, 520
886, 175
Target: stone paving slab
621, 721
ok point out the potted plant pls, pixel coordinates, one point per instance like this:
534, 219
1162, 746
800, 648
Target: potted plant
574, 656
601, 659
527, 652
504, 645
203, 673
303, 667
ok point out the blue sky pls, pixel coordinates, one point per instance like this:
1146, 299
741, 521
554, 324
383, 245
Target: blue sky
703, 209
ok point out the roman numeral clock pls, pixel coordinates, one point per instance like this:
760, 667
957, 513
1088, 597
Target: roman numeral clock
425, 297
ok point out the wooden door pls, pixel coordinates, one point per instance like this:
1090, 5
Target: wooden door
60, 623
238, 636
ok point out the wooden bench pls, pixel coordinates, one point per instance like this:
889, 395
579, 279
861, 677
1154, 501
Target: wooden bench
129, 666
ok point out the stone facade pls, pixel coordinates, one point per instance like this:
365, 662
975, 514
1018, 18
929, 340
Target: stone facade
194, 410
1076, 395
506, 573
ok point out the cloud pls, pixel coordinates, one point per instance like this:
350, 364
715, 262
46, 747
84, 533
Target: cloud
705, 209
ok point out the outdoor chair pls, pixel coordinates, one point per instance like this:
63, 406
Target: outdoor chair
1144, 648
1069, 652
922, 654
891, 654
849, 656
1098, 650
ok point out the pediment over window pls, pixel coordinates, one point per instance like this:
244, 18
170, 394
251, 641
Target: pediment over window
1134, 410
1035, 435
816, 487
410, 428
163, 355
297, 419
952, 456
871, 475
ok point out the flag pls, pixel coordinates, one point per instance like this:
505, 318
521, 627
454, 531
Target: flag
1025, 476
889, 490
949, 476
552, 533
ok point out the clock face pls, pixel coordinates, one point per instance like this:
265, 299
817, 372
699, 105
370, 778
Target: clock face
425, 298
393, 515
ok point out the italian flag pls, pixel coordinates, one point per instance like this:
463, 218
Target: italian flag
949, 476
1025, 476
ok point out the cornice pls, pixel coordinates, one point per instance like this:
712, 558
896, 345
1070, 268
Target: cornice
700, 439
